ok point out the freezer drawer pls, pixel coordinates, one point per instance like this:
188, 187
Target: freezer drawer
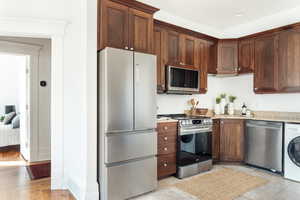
125, 146
132, 179
264, 144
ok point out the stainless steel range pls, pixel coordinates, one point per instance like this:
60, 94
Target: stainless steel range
194, 145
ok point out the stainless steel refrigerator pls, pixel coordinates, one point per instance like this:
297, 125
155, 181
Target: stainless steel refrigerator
127, 139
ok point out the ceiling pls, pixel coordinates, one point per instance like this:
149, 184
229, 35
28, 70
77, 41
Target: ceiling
223, 14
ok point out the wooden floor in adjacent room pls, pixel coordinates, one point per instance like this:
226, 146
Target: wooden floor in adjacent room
15, 183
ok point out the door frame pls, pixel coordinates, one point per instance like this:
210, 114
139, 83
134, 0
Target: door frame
54, 30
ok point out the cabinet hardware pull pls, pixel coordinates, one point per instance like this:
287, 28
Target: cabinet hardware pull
166, 128
165, 165
131, 49
166, 149
166, 138
126, 47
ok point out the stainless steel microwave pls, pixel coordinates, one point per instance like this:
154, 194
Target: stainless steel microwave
182, 80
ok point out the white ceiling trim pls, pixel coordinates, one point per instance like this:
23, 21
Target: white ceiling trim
273, 21
266, 23
172, 19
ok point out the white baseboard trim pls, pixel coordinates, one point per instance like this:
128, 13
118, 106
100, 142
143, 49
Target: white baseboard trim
76, 190
80, 192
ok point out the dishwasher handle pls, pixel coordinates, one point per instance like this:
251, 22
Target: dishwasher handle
264, 124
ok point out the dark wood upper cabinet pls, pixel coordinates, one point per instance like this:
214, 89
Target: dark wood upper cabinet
159, 50
125, 25
232, 140
114, 25
227, 60
141, 31
266, 64
246, 56
289, 61
188, 52
204, 59
173, 48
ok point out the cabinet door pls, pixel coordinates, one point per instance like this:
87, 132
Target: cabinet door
289, 61
216, 140
159, 50
173, 55
203, 62
114, 26
140, 31
266, 64
188, 52
227, 57
246, 56
232, 140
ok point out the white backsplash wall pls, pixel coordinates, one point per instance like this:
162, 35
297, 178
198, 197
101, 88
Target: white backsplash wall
240, 86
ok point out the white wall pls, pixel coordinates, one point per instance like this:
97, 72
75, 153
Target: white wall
76, 82
176, 104
240, 86
11, 68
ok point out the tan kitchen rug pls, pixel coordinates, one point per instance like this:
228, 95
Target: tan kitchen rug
223, 184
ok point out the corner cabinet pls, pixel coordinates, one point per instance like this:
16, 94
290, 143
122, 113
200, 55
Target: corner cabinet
227, 59
246, 56
125, 25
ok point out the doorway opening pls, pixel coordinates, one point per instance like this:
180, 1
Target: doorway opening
25, 111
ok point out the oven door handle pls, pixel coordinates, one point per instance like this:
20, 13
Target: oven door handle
194, 131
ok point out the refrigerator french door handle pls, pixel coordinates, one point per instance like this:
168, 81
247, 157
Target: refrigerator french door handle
137, 73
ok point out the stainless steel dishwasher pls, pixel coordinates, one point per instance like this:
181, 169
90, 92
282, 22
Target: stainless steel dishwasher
264, 142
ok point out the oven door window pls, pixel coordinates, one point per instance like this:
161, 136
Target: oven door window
194, 148
183, 78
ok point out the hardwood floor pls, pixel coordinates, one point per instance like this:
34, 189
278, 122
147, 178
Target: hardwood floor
15, 183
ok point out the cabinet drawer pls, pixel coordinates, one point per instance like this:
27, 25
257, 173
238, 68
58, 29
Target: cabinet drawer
167, 148
166, 165
163, 128
165, 139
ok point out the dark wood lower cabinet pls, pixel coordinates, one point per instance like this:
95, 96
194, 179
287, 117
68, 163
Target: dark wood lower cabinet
166, 149
216, 140
166, 165
232, 140
228, 140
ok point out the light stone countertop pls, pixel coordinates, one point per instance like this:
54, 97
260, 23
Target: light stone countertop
165, 120
287, 117
277, 119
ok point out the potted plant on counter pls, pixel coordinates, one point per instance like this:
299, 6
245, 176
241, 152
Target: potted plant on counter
217, 106
223, 103
231, 105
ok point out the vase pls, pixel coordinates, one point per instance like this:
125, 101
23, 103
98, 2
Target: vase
231, 109
222, 106
217, 109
